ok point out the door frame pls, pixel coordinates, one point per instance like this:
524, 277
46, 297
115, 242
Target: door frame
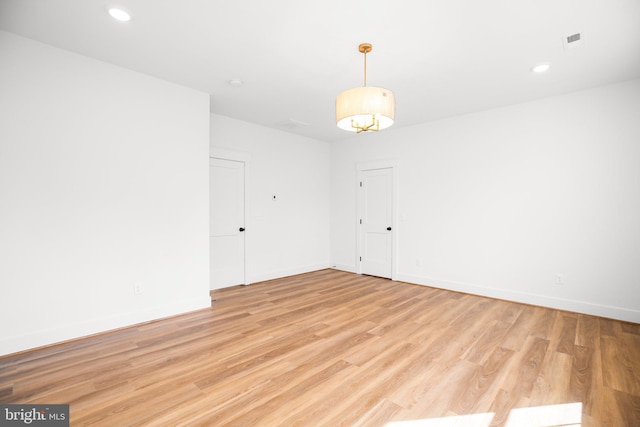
373, 165
244, 157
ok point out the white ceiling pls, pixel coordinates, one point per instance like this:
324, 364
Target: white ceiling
440, 58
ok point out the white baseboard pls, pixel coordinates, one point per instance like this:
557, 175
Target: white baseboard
600, 310
78, 330
344, 267
261, 277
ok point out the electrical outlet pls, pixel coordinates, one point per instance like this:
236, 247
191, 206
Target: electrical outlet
559, 279
137, 288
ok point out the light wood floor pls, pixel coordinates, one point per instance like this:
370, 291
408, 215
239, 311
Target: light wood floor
336, 349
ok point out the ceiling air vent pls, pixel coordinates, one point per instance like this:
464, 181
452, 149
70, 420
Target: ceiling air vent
573, 38
572, 41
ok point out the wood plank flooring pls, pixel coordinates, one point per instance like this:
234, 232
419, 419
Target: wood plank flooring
331, 348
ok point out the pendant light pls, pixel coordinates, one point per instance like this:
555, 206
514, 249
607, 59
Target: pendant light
365, 108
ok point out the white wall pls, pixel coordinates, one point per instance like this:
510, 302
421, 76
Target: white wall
499, 202
103, 183
290, 235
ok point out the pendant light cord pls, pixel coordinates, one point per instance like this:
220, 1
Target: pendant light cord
365, 68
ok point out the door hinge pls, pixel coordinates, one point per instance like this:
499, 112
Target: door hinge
360, 259
360, 183
360, 221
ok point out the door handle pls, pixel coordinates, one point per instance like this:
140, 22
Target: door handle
388, 228
241, 229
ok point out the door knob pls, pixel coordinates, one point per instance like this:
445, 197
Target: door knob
388, 228
241, 229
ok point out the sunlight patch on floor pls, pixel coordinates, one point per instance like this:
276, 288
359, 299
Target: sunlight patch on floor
566, 414
563, 415
473, 420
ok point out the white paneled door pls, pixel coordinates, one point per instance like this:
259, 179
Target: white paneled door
226, 230
376, 221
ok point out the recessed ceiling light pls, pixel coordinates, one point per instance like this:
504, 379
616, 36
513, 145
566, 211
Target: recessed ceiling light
540, 68
119, 14
236, 82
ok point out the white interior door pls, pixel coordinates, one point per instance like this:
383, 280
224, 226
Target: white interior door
226, 229
376, 222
